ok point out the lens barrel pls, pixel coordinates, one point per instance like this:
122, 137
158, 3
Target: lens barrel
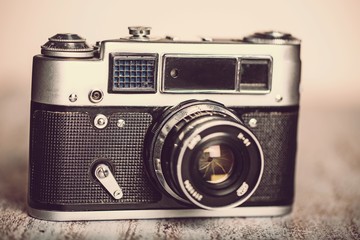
200, 153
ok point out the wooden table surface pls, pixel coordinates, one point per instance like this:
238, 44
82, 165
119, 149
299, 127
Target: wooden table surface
327, 203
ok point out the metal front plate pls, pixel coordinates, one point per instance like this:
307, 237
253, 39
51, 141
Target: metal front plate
55, 79
156, 213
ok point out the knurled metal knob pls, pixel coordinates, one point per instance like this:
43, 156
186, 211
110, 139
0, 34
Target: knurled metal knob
139, 33
272, 37
67, 45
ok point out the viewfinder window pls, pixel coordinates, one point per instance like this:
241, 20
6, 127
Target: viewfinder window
255, 74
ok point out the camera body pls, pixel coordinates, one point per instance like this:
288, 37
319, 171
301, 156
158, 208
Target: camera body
155, 128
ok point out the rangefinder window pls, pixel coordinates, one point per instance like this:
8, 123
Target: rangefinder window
132, 73
199, 74
255, 75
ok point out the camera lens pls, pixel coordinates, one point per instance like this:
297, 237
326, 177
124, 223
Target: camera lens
200, 153
216, 163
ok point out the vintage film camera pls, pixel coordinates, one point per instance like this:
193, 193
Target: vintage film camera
154, 128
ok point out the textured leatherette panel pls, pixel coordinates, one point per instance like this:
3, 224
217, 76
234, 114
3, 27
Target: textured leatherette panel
65, 144
64, 147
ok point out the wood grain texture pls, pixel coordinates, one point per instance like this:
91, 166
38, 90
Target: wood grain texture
327, 204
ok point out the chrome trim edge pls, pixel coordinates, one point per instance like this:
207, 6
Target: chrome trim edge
158, 213
67, 76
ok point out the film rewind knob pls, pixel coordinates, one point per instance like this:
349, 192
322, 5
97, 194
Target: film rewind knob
107, 179
67, 45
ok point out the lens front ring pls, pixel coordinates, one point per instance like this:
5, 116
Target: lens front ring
166, 151
241, 190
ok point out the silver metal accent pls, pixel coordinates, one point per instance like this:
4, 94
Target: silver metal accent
278, 98
100, 121
121, 123
272, 37
67, 37
242, 189
174, 73
67, 45
246, 141
160, 176
272, 211
96, 95
73, 97
118, 194
107, 179
253, 123
139, 33
285, 77
192, 191
195, 140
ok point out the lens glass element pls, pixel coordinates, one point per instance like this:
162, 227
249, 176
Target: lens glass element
216, 163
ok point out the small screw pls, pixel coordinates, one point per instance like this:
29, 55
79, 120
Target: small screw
253, 123
117, 194
100, 121
278, 98
101, 173
121, 123
73, 97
